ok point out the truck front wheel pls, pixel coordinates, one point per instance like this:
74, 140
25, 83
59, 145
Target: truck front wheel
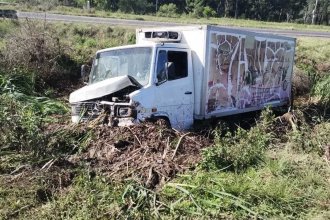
162, 121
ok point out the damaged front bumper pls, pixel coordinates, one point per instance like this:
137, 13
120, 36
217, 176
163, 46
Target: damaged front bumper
111, 113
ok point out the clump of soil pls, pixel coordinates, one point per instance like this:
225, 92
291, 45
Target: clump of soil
323, 67
301, 83
147, 153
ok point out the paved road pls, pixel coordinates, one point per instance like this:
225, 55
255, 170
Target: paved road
141, 23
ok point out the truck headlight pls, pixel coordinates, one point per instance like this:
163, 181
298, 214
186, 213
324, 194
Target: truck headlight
124, 112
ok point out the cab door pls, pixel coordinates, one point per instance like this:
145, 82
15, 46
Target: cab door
175, 90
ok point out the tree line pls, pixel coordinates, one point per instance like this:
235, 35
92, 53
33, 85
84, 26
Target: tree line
300, 11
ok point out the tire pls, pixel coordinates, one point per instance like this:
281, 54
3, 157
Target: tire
163, 121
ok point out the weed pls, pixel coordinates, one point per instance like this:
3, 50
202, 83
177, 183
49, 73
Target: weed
322, 91
68, 140
139, 202
17, 81
312, 57
25, 115
288, 185
239, 150
20, 125
98, 199
310, 139
35, 49
6, 27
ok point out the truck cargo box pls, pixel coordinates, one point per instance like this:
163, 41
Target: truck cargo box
235, 71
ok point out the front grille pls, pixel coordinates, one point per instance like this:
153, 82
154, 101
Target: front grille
86, 110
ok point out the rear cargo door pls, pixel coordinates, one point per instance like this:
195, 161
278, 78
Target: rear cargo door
175, 94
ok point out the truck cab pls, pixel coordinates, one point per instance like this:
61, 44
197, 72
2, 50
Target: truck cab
131, 84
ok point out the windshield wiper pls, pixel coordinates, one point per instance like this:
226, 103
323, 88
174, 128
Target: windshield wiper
134, 81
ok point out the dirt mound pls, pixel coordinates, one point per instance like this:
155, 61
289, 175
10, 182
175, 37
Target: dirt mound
147, 153
301, 83
323, 67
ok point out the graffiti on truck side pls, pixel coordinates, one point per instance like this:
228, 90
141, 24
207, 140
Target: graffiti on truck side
248, 72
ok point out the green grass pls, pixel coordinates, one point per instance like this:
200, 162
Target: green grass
287, 185
288, 181
68, 47
98, 199
313, 54
6, 27
82, 39
312, 62
239, 149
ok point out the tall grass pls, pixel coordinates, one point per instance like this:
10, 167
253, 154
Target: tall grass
52, 54
275, 177
322, 90
289, 186
312, 63
23, 113
85, 40
241, 149
313, 56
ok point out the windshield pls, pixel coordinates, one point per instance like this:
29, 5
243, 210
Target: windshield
135, 62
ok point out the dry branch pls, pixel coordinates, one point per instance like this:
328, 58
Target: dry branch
178, 144
290, 118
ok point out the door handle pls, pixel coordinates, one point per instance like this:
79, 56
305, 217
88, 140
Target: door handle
188, 93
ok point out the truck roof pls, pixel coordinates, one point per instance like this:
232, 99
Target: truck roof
236, 30
149, 44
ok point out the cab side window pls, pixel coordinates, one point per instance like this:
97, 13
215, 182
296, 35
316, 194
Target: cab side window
177, 65
172, 63
161, 65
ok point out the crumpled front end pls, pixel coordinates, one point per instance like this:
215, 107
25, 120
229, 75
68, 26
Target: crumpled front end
84, 111
113, 109
105, 112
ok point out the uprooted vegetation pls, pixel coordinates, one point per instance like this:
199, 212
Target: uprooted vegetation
148, 154
274, 167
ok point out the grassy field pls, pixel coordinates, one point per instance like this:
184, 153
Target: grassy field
185, 19
266, 171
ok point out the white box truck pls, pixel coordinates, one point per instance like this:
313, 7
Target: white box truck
183, 74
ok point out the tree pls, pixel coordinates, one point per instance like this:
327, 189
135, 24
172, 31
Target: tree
180, 4
134, 6
208, 12
307, 11
316, 12
195, 7
168, 10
